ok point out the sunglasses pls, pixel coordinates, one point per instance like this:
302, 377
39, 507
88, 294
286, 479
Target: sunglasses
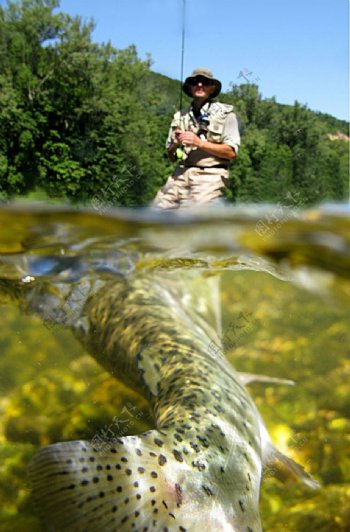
200, 79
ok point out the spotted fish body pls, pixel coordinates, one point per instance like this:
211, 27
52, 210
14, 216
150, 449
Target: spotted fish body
200, 468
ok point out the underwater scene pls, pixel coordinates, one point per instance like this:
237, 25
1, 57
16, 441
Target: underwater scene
281, 308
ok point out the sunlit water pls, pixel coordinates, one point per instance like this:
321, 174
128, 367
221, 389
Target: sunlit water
285, 312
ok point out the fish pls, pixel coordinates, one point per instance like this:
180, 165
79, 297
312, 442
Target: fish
200, 467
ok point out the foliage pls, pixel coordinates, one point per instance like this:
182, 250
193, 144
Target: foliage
287, 151
86, 122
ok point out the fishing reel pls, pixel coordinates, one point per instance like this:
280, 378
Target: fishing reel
203, 123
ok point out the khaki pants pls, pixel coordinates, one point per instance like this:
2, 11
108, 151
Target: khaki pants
188, 186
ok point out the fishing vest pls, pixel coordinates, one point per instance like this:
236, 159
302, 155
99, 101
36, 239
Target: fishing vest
215, 114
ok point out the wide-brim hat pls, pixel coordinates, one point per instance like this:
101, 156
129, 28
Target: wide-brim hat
186, 87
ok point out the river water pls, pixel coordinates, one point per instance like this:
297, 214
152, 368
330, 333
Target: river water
284, 298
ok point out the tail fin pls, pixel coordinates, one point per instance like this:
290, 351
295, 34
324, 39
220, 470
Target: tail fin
134, 483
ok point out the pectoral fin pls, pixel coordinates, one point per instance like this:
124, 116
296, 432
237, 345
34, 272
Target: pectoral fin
247, 378
283, 467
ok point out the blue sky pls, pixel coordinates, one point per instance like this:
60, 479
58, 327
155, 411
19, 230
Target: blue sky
293, 49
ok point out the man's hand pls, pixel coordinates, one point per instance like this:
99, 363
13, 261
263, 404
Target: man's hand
188, 138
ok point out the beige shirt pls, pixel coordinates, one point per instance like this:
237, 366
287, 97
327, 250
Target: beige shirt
222, 128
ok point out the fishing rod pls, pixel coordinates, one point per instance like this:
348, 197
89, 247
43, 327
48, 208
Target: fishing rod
179, 151
182, 49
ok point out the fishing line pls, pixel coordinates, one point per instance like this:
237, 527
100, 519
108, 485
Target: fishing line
182, 48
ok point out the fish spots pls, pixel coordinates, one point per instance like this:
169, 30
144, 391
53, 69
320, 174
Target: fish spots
84, 482
118, 466
136, 484
199, 465
178, 437
152, 489
178, 495
119, 489
203, 440
101, 494
109, 478
177, 455
241, 505
154, 474
162, 459
95, 480
124, 459
114, 508
182, 529
138, 452
207, 490
128, 472
127, 500
113, 450
141, 470
91, 458
195, 446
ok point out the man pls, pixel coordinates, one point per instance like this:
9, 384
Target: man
204, 138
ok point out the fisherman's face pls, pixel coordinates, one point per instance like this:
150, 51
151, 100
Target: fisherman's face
202, 88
